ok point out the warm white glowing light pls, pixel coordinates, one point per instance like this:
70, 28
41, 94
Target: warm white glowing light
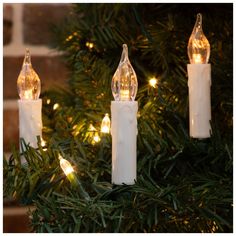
28, 94
75, 131
91, 128
124, 95
106, 123
94, 135
89, 45
96, 138
197, 59
75, 127
28, 82
56, 106
48, 101
153, 82
43, 144
124, 82
198, 45
65, 166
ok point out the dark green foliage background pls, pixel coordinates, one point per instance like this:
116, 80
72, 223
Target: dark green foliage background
183, 184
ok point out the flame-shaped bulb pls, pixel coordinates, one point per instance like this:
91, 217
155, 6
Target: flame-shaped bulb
124, 82
28, 82
66, 166
198, 45
106, 123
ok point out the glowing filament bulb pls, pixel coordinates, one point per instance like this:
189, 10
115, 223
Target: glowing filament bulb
66, 166
89, 45
106, 123
56, 106
91, 128
43, 144
96, 138
124, 82
153, 82
197, 58
28, 82
198, 45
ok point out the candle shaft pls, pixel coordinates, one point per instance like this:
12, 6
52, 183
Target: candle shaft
199, 83
30, 120
124, 138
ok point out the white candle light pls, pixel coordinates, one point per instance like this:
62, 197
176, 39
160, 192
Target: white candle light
65, 166
124, 122
106, 123
199, 82
30, 106
153, 82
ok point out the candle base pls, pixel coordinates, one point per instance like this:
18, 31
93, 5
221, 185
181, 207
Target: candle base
30, 120
199, 83
124, 138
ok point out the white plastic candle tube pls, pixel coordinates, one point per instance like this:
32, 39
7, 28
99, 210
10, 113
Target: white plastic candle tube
124, 136
30, 120
199, 84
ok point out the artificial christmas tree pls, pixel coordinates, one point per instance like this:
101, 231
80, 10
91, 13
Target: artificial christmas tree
183, 184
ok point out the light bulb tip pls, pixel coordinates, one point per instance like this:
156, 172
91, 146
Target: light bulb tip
27, 59
27, 51
199, 18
